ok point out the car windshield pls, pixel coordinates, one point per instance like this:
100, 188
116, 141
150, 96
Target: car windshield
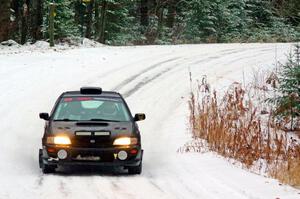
91, 109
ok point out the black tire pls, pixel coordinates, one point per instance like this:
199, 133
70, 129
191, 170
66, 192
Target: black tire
45, 168
135, 170
48, 169
41, 158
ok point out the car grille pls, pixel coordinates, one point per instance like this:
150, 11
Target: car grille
92, 141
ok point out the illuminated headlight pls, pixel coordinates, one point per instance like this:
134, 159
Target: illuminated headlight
59, 140
125, 141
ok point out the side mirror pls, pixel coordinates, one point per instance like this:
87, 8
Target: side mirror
44, 116
139, 117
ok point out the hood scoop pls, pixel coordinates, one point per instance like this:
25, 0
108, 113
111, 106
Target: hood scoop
119, 128
91, 123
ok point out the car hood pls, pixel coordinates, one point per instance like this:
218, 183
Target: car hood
116, 129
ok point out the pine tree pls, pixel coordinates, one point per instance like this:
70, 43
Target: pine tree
200, 20
288, 9
120, 26
260, 12
288, 103
64, 22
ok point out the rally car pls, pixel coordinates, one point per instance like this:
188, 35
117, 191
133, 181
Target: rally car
91, 127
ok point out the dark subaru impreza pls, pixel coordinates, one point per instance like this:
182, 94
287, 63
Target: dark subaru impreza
91, 127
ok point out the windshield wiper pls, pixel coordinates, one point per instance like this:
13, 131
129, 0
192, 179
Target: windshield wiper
100, 120
104, 120
65, 120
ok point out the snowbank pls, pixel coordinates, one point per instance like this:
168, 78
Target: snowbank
12, 47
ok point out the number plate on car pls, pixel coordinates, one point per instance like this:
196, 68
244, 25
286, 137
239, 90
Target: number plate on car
88, 158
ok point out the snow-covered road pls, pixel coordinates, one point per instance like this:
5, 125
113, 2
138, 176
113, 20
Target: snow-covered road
155, 81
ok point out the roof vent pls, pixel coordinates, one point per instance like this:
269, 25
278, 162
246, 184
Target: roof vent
90, 90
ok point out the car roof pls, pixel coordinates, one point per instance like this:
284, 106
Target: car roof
103, 94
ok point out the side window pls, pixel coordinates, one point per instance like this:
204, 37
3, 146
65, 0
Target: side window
60, 111
123, 112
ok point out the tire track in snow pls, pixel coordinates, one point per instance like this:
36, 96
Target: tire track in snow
152, 182
98, 188
154, 66
126, 81
63, 189
132, 78
118, 69
120, 191
148, 79
40, 180
232, 52
145, 81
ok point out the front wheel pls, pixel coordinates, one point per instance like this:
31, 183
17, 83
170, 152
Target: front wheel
48, 169
135, 170
45, 168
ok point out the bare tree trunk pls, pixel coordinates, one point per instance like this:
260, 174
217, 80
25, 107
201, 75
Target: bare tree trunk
171, 13
97, 20
24, 22
144, 13
51, 23
90, 7
15, 23
38, 21
4, 20
160, 20
103, 22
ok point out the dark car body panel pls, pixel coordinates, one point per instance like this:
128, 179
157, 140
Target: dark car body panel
116, 129
91, 145
106, 154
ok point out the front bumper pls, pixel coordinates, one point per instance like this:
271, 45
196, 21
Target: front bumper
108, 156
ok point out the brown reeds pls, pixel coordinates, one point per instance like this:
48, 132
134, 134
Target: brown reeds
237, 127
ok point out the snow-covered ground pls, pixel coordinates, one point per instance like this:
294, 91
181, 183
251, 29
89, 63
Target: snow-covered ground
154, 80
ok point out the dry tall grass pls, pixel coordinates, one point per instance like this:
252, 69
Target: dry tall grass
237, 127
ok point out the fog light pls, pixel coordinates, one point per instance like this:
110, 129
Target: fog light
62, 154
122, 155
